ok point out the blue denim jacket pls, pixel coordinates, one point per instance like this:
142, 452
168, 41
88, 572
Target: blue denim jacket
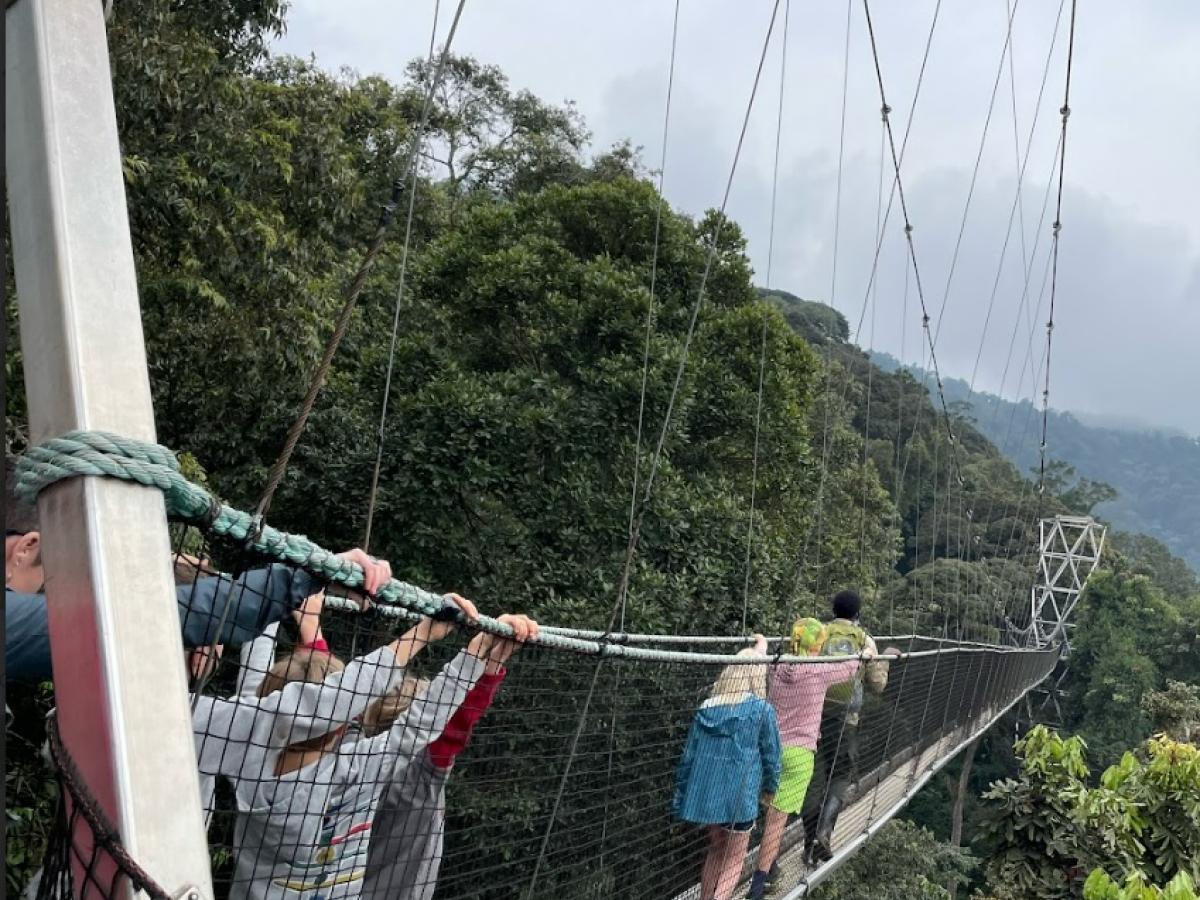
259, 597
732, 756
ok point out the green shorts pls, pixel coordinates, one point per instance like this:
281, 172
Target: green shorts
797, 772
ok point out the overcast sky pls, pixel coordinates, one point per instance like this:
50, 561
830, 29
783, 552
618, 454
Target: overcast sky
1127, 335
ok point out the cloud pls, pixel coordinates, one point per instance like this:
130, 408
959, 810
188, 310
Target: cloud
1128, 301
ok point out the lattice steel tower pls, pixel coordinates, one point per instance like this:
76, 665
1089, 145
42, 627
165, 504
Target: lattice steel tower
1070, 551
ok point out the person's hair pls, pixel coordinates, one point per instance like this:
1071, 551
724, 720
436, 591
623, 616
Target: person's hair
19, 515
312, 666
807, 635
383, 713
188, 568
846, 605
737, 678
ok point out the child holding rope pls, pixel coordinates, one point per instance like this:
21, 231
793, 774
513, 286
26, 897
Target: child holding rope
405, 851
306, 830
731, 757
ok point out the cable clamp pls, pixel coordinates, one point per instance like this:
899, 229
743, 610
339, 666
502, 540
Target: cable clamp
254, 533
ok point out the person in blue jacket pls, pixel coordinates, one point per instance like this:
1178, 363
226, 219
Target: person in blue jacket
259, 597
731, 761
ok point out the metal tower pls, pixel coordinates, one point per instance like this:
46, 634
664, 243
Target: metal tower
1070, 551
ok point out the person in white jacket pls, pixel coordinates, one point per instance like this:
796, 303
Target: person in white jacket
306, 832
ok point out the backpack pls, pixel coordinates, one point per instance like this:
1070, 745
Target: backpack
844, 639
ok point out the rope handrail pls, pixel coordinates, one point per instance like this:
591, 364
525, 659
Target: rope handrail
106, 455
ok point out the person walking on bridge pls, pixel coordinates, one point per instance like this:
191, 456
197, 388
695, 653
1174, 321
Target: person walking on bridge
838, 744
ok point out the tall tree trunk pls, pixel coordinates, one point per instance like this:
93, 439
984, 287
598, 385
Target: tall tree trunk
960, 795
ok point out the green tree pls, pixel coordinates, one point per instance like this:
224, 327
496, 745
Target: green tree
487, 139
1079, 494
1124, 639
1151, 557
1101, 886
1049, 828
1175, 711
901, 862
1036, 853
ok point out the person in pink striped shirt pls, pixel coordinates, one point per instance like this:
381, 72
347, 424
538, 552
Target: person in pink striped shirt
798, 694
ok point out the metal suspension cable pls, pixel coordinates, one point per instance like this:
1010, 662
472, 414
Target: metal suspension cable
414, 169
908, 230
1017, 205
825, 450
276, 473
1028, 267
1052, 267
1022, 164
1057, 230
897, 482
866, 444
1057, 162
762, 353
637, 449
987, 124
662, 174
1012, 87
631, 548
1009, 509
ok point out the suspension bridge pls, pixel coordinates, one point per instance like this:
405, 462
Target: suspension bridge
566, 789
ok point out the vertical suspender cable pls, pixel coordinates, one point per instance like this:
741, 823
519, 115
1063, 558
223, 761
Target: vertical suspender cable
1062, 161
413, 170
762, 351
662, 175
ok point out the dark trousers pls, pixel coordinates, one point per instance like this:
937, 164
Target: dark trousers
835, 769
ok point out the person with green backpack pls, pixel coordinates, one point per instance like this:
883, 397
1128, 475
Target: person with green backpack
839, 724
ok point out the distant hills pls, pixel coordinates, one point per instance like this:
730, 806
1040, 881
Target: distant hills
1156, 472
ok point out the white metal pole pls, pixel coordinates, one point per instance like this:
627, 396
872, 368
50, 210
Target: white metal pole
114, 627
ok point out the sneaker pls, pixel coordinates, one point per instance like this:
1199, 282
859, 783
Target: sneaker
820, 852
758, 886
773, 875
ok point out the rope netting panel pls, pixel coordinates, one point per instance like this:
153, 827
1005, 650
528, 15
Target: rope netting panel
347, 753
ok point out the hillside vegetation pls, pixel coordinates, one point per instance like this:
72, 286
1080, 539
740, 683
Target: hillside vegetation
1155, 473
511, 445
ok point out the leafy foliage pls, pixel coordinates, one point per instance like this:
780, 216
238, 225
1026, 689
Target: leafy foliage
1049, 827
1101, 886
31, 794
1129, 639
1152, 558
817, 323
902, 861
1037, 851
1175, 711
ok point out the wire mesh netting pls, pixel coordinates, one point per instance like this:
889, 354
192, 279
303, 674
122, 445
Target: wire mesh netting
348, 753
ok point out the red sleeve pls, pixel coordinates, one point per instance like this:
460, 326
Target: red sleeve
318, 646
458, 730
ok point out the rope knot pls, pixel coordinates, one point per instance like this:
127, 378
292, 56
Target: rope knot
94, 453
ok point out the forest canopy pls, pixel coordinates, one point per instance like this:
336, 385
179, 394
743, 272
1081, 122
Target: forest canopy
254, 182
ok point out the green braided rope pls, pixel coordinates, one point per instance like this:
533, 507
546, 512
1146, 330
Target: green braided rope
100, 454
